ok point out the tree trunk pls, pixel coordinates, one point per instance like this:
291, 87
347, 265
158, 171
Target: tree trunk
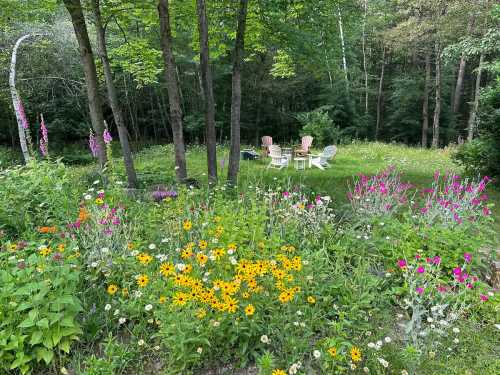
74, 8
173, 90
342, 41
208, 93
425, 107
437, 107
380, 97
364, 56
475, 105
113, 99
234, 153
459, 85
16, 101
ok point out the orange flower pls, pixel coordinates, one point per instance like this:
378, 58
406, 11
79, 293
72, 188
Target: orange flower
83, 215
47, 229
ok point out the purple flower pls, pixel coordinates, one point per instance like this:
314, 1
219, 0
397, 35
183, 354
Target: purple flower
107, 137
467, 257
94, 147
44, 141
421, 269
483, 297
22, 115
436, 260
457, 271
286, 194
419, 290
159, 195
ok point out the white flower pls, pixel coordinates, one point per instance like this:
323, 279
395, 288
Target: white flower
371, 345
233, 260
383, 362
296, 324
95, 182
456, 330
497, 326
157, 347
152, 246
430, 320
299, 313
107, 307
180, 266
105, 250
368, 333
366, 370
199, 350
388, 339
176, 167
137, 294
404, 372
165, 240
230, 251
456, 340
316, 354
353, 366
94, 264
379, 343
122, 320
302, 324
140, 342
264, 339
216, 323
134, 253
148, 307
116, 312
88, 197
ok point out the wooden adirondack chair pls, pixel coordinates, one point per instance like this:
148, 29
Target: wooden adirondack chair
303, 149
321, 160
278, 160
266, 142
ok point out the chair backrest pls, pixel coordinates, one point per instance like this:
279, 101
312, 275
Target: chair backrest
307, 141
328, 153
267, 141
275, 151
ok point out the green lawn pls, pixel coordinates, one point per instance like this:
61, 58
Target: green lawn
155, 165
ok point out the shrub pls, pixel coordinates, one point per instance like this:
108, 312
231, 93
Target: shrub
38, 307
35, 195
318, 124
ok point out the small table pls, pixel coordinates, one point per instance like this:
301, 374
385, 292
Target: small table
288, 153
300, 163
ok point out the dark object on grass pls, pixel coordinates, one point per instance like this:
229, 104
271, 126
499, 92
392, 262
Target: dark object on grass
249, 155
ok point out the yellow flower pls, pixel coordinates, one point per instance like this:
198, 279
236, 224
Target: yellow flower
12, 247
162, 300
61, 247
44, 251
217, 219
355, 354
125, 292
144, 258
246, 295
202, 258
201, 313
332, 351
187, 225
188, 268
180, 299
279, 372
311, 300
130, 245
99, 201
167, 269
232, 246
142, 280
219, 252
249, 310
202, 244
187, 253
112, 289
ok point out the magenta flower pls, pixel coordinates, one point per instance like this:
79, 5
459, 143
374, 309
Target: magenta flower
421, 269
483, 297
22, 115
486, 211
457, 271
44, 141
417, 256
420, 290
436, 260
402, 263
442, 289
94, 147
286, 194
107, 137
467, 257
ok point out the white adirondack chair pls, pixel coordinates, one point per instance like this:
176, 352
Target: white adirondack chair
278, 160
321, 160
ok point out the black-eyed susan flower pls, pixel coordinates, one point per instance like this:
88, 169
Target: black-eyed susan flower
142, 280
167, 269
44, 251
332, 351
162, 300
112, 289
202, 244
187, 225
249, 310
311, 300
279, 372
355, 354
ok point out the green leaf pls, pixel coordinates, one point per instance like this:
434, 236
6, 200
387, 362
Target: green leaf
36, 337
45, 354
44, 323
26, 323
64, 345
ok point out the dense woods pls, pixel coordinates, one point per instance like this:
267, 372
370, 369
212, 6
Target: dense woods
409, 71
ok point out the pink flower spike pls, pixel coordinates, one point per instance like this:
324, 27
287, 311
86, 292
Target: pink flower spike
468, 257
486, 211
420, 290
483, 297
421, 269
402, 263
436, 260
286, 194
469, 286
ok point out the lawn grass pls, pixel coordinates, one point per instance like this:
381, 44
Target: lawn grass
155, 165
